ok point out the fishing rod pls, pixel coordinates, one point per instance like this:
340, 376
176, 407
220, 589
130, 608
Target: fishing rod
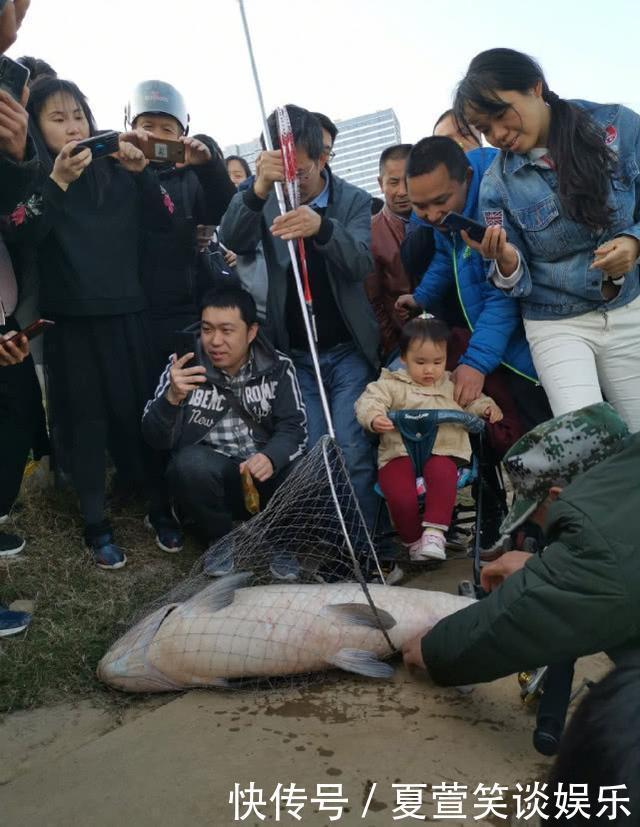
304, 292
307, 308
288, 149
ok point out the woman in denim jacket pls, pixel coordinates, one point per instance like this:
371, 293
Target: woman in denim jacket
562, 205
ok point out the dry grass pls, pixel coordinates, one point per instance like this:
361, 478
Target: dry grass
79, 609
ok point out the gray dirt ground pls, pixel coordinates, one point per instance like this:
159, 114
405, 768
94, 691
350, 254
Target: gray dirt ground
173, 760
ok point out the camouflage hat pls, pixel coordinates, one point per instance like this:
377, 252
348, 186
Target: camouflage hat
555, 452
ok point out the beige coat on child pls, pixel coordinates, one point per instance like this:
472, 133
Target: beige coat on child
396, 391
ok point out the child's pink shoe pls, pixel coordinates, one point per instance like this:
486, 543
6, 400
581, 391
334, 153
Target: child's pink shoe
432, 546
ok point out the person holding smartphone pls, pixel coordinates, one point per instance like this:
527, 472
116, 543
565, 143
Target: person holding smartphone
443, 179
563, 200
21, 412
199, 190
488, 351
86, 219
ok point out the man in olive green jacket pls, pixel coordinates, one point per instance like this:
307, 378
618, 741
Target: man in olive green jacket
577, 476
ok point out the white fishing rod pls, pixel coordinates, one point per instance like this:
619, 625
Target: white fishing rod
292, 251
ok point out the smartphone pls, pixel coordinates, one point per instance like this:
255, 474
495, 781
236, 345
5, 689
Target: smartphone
163, 151
32, 330
100, 145
13, 77
186, 342
457, 222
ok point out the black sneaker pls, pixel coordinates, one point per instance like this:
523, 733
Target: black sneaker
106, 554
10, 544
169, 536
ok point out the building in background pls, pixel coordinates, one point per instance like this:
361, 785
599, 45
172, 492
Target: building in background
358, 147
359, 144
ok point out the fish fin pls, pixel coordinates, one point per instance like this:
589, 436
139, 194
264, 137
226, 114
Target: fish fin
362, 663
361, 614
219, 594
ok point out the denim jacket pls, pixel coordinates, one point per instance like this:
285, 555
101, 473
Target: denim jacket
555, 251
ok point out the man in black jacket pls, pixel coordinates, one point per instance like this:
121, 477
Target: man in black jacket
238, 409
200, 191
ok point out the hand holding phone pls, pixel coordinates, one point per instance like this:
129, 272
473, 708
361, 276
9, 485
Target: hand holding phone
13, 77
186, 341
455, 222
13, 115
163, 151
106, 143
14, 348
196, 152
186, 374
495, 247
32, 330
67, 168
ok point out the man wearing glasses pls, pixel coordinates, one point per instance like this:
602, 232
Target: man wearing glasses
334, 220
329, 135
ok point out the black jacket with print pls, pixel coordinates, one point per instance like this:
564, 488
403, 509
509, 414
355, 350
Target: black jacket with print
271, 397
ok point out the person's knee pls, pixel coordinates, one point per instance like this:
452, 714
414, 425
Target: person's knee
189, 467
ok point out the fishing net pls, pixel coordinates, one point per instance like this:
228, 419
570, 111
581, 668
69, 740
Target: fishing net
314, 522
312, 526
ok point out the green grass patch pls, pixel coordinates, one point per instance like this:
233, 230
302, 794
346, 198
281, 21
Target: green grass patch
79, 610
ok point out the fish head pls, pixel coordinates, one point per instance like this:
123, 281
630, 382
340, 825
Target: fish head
126, 665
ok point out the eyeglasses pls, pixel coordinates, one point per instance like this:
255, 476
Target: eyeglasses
329, 152
304, 174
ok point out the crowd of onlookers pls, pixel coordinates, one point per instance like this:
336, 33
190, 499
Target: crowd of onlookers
499, 276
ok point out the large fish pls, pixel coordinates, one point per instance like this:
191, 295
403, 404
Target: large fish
224, 632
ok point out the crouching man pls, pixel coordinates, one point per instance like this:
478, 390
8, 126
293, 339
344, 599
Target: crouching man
576, 476
236, 409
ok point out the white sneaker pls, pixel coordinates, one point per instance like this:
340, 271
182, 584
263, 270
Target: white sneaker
432, 546
413, 548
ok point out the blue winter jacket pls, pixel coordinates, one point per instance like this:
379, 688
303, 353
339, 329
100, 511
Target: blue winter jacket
497, 334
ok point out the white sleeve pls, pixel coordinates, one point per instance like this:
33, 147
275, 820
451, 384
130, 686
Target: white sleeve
506, 282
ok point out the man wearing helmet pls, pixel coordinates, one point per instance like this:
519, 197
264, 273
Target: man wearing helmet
199, 191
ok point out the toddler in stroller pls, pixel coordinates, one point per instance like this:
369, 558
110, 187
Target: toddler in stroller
422, 384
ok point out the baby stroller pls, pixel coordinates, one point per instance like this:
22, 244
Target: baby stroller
418, 429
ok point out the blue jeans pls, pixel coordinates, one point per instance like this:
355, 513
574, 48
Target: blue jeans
345, 374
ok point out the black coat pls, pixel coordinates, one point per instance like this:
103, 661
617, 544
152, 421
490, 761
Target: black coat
199, 195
